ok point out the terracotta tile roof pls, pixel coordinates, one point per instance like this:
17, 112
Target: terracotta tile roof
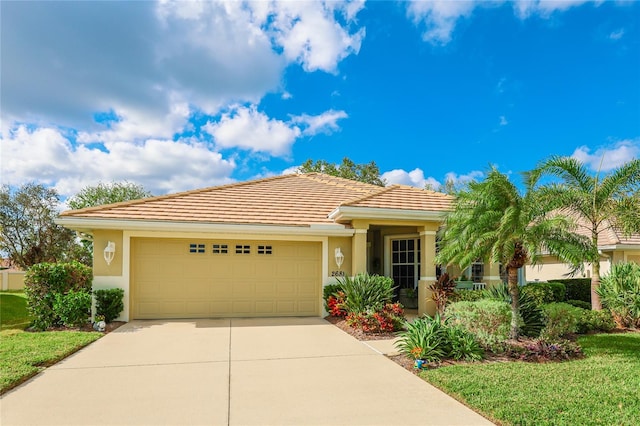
294, 200
609, 235
404, 197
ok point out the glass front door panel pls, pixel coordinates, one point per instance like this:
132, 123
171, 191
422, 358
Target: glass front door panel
405, 262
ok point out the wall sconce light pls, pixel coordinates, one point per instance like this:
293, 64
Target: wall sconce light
339, 257
109, 252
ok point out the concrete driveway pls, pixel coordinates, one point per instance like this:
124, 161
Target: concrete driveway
282, 371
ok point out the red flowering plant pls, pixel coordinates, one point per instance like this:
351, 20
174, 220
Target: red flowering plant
390, 319
335, 305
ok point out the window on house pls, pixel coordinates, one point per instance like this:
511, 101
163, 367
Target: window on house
477, 271
196, 248
265, 250
241, 249
220, 249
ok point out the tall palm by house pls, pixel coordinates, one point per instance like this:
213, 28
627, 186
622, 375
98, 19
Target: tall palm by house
492, 220
612, 200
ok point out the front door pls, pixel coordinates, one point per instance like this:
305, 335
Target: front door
405, 262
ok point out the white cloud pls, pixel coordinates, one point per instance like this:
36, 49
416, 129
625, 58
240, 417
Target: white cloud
249, 129
545, 8
610, 157
473, 175
309, 33
439, 18
154, 55
413, 178
327, 122
503, 120
617, 35
291, 170
46, 155
134, 125
246, 128
416, 178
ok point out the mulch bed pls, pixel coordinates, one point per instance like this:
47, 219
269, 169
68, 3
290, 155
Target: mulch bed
341, 323
408, 363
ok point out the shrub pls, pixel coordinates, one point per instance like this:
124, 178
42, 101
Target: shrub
433, 339
73, 308
366, 293
109, 303
545, 292
389, 319
462, 345
530, 312
579, 304
488, 320
441, 290
595, 321
466, 296
561, 319
545, 350
43, 281
577, 288
328, 291
619, 291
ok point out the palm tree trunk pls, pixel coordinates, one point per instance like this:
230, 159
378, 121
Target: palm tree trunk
596, 305
514, 291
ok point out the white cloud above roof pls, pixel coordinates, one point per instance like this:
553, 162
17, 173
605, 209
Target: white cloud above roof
610, 157
246, 128
414, 177
440, 18
150, 67
161, 166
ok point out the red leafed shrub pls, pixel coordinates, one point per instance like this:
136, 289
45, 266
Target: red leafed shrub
335, 305
390, 319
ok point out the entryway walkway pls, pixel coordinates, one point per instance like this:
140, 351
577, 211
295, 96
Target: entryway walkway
281, 371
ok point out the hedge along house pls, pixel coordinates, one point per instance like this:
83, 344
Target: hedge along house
260, 248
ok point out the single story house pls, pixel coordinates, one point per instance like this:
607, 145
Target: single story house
613, 246
264, 247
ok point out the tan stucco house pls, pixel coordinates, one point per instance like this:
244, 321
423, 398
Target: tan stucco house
260, 248
613, 246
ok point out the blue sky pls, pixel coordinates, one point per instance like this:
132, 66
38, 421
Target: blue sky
182, 95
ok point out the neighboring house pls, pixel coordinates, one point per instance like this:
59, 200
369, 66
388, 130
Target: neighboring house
613, 246
261, 248
11, 277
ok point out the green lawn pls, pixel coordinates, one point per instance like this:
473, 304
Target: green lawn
13, 311
602, 389
23, 354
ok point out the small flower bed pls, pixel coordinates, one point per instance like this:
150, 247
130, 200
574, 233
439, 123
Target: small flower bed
390, 319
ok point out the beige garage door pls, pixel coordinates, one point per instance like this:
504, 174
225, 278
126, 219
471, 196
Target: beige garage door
175, 278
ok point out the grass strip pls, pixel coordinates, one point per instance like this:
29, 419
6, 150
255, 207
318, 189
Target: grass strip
601, 389
24, 354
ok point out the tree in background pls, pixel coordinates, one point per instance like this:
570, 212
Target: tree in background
491, 220
107, 193
28, 233
367, 173
601, 202
448, 187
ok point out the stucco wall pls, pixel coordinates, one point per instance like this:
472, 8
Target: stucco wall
11, 280
100, 240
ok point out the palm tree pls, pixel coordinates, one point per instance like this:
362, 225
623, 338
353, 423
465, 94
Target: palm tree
601, 203
491, 220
